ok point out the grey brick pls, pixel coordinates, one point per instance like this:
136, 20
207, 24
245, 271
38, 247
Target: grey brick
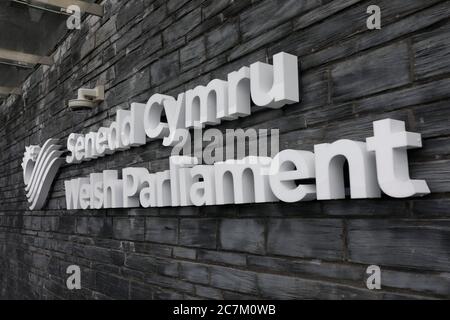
373, 72
40, 261
436, 174
431, 119
261, 40
112, 286
184, 253
105, 31
198, 232
422, 283
157, 20
364, 41
221, 39
234, 280
431, 207
242, 235
136, 84
208, 292
311, 268
66, 224
102, 255
194, 272
152, 45
169, 283
222, 257
174, 5
128, 228
366, 207
193, 54
282, 287
420, 94
162, 294
164, 230
306, 238
139, 291
282, 209
348, 23
314, 90
436, 148
128, 11
322, 12
213, 7
165, 69
182, 26
432, 54
93, 226
151, 264
412, 243
129, 37
32, 223
274, 13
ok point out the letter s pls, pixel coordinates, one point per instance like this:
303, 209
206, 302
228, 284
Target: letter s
71, 142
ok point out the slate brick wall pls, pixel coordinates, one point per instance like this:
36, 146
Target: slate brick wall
350, 77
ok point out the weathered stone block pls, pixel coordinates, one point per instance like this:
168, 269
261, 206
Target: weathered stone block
112, 286
274, 13
320, 238
198, 232
194, 272
94, 226
382, 69
242, 235
150, 264
234, 280
222, 39
164, 230
432, 53
165, 69
182, 26
413, 243
193, 54
128, 228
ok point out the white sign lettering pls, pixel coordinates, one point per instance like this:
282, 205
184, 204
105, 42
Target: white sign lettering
379, 164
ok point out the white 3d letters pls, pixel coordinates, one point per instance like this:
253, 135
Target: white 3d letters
277, 85
288, 166
205, 104
132, 126
243, 181
71, 143
238, 94
330, 159
112, 190
268, 86
133, 180
154, 128
96, 181
390, 143
175, 113
379, 164
203, 189
287, 177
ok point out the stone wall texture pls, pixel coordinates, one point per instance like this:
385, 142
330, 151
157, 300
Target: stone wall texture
350, 75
